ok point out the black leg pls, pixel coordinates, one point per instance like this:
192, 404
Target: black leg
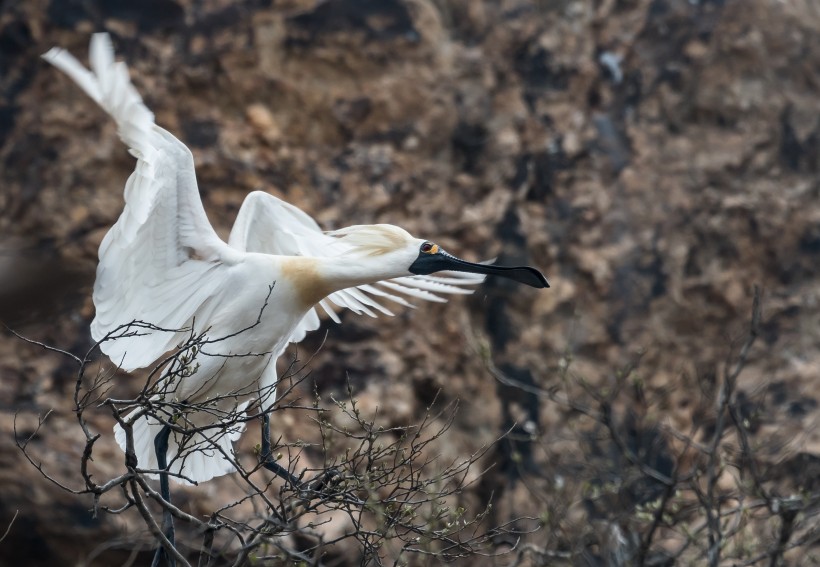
314, 486
267, 459
161, 448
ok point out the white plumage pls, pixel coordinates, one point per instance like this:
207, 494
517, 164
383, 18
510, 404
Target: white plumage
163, 264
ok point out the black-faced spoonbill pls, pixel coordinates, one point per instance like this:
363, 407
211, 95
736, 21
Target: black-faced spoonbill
163, 264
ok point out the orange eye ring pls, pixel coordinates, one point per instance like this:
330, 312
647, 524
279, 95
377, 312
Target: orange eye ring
429, 248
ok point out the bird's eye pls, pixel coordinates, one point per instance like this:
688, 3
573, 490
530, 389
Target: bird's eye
429, 248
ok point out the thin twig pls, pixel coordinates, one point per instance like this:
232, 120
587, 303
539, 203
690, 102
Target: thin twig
11, 523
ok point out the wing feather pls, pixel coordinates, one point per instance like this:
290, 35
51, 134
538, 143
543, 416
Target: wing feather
325, 305
359, 295
412, 291
345, 299
431, 285
373, 290
161, 263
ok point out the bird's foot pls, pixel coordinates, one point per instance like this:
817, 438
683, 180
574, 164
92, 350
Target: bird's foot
315, 491
321, 485
318, 487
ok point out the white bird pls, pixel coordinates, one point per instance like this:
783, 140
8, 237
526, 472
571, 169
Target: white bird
163, 264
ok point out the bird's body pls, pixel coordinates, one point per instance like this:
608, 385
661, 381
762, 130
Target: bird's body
163, 265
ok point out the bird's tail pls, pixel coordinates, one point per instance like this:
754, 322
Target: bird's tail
109, 85
196, 457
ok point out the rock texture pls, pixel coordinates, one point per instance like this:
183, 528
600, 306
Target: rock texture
656, 158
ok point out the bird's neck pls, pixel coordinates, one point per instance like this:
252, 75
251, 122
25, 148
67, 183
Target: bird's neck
315, 278
349, 271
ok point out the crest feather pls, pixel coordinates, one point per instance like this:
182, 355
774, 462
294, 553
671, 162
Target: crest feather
374, 239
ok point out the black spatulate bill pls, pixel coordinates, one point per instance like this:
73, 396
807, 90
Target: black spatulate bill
441, 261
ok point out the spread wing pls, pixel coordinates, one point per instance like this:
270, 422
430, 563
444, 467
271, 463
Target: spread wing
161, 263
269, 225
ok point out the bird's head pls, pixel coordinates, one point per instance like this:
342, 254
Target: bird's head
422, 257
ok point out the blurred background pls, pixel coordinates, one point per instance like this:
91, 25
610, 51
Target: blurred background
656, 159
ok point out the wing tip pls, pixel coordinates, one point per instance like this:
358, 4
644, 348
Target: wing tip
54, 54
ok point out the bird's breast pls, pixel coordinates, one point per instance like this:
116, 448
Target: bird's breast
302, 277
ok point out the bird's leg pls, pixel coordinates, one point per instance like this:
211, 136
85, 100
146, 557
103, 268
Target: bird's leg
266, 457
161, 448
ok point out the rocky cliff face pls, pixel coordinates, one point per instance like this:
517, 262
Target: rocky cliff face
656, 158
